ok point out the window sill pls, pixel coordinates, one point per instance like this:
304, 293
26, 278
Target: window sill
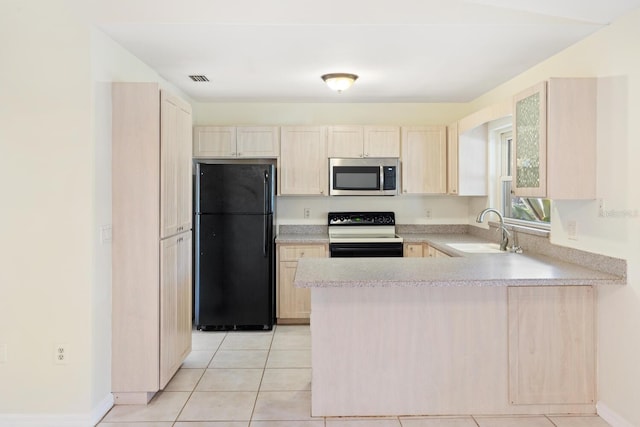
524, 228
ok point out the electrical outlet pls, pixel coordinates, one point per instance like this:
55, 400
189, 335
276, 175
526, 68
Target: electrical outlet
60, 354
572, 230
428, 213
307, 212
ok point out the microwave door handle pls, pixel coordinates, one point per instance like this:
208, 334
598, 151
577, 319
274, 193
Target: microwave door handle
381, 178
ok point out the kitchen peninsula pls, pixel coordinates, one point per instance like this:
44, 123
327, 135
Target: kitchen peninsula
481, 334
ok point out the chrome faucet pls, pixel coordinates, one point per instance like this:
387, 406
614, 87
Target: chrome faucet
505, 233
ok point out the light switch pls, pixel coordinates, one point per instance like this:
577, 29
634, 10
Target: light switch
105, 234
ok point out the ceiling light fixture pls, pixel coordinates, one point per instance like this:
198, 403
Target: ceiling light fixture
339, 81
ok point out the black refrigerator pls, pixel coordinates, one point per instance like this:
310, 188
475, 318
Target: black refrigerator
234, 262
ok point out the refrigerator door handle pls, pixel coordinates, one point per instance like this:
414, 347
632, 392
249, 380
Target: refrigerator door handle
267, 196
265, 236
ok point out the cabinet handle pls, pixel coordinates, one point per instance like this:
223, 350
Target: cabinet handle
366, 154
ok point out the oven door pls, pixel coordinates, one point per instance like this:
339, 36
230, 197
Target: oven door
363, 250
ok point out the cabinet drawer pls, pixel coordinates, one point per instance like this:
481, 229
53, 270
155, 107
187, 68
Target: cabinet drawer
292, 253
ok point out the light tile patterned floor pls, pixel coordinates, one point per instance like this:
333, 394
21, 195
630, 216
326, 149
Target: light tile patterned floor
263, 379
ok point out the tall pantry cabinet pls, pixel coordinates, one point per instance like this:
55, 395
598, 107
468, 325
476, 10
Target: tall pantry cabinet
151, 267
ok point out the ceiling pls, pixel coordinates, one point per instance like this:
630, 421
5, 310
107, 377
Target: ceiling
402, 50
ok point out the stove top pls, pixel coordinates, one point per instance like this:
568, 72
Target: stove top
362, 227
361, 219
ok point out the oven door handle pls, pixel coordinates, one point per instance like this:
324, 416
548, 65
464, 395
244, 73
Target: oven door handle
346, 250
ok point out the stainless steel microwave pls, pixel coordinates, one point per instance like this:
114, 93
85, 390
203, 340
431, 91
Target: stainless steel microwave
363, 177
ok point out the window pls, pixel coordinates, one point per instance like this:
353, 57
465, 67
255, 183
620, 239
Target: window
529, 211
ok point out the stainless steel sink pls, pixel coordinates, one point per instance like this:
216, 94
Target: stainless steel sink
483, 248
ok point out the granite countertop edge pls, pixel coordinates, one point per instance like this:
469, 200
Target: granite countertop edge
462, 269
488, 270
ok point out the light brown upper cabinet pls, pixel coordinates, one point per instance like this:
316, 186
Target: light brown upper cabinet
363, 141
303, 168
555, 139
175, 170
424, 160
236, 142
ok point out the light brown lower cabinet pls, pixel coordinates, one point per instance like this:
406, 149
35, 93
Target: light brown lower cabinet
421, 250
175, 304
551, 345
294, 304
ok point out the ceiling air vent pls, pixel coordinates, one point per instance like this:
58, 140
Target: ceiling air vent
199, 78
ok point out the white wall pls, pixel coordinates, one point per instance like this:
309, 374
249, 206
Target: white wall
404, 114
55, 183
46, 213
612, 55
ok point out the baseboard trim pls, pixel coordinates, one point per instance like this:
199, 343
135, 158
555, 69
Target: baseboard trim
59, 420
610, 416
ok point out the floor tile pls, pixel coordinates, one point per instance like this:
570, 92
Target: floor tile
364, 422
316, 423
218, 406
230, 380
184, 380
208, 340
438, 422
286, 379
578, 421
212, 424
289, 359
137, 424
239, 359
291, 341
293, 329
283, 405
165, 406
198, 359
247, 341
524, 421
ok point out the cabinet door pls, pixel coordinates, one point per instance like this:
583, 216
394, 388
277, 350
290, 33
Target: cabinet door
413, 250
452, 158
303, 161
175, 304
184, 169
424, 160
435, 253
551, 345
295, 303
214, 141
530, 142
381, 141
169, 164
345, 141
572, 137
258, 141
